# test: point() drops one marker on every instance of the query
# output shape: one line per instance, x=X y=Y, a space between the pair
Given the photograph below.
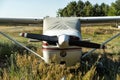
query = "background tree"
x=88 y=9
x=97 y=10
x=81 y=8
x=104 y=9
x=112 y=10
x=71 y=8
x=65 y=12
x=59 y=13
x=117 y=7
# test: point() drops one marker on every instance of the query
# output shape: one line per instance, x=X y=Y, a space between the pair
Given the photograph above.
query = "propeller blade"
x=50 y=39
x=85 y=44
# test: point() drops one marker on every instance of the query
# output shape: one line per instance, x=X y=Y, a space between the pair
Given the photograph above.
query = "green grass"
x=18 y=64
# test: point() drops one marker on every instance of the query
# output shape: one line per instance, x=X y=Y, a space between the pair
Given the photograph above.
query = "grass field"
x=18 y=64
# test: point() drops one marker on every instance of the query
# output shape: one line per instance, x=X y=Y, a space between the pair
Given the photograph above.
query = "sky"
x=36 y=8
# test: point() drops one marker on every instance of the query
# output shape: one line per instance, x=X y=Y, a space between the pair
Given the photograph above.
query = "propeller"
x=50 y=39
x=54 y=39
x=85 y=44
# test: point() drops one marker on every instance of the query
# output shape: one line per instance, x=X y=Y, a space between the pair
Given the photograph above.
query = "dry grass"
x=18 y=64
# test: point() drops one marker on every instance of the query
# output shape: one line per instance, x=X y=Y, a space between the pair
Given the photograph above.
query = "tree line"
x=81 y=8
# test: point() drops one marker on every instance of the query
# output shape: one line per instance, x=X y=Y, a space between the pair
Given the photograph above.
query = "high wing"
x=100 y=19
x=103 y=20
x=17 y=21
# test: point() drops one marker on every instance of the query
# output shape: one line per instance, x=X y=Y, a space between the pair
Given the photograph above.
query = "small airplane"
x=61 y=36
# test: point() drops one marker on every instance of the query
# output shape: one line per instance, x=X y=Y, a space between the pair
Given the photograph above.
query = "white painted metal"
x=71 y=58
x=63 y=28
x=59 y=26
x=119 y=27
x=63 y=41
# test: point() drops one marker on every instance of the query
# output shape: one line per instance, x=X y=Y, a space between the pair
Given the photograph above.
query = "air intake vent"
x=63 y=53
x=62 y=62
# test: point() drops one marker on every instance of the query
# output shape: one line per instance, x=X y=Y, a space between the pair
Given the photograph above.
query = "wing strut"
x=105 y=42
x=18 y=43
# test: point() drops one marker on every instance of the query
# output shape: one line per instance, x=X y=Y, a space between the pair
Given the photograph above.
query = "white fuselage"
x=69 y=56
x=62 y=52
